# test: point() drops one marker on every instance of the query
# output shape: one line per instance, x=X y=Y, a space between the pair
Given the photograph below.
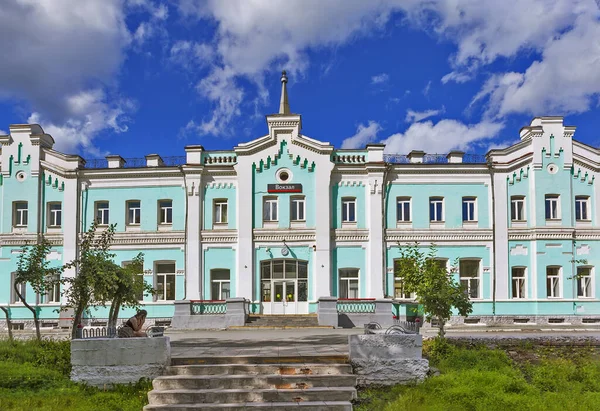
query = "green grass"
x=478 y=378
x=35 y=376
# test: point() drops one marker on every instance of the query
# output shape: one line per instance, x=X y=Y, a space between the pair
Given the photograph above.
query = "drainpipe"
x=573 y=236
x=491 y=171
x=384 y=195
x=185 y=234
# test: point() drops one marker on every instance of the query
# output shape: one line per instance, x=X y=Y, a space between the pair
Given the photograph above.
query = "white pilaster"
x=244 y=217
x=323 y=275
x=375 y=247
x=500 y=246
x=193 y=256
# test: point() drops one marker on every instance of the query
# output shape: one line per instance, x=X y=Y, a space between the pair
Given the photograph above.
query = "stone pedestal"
x=327 y=313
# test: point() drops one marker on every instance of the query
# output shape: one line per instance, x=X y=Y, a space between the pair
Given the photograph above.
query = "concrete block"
x=327 y=312
x=385 y=346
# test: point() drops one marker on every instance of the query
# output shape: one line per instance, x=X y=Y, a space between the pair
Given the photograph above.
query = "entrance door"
x=284 y=286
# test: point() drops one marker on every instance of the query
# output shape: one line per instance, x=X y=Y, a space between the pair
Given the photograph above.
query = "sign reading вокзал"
x=284 y=188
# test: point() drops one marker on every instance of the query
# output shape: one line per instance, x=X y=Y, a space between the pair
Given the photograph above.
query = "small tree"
x=95 y=276
x=8 y=322
x=436 y=290
x=34 y=269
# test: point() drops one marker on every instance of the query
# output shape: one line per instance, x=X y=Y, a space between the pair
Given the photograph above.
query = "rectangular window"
x=22 y=287
x=553 y=281
x=133 y=212
x=436 y=209
x=220 y=284
x=165 y=281
x=297 y=208
x=165 y=212
x=399 y=289
x=552 y=207
x=20 y=214
x=581 y=208
x=403 y=209
x=584 y=282
x=517 y=208
x=102 y=212
x=469 y=209
x=469 y=277
x=270 y=209
x=518 y=282
x=348 y=283
x=53 y=292
x=54 y=215
x=220 y=211
x=348 y=210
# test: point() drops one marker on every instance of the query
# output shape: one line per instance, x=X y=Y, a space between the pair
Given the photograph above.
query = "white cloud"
x=427 y=89
x=441 y=137
x=364 y=134
x=456 y=77
x=190 y=54
x=416 y=116
x=380 y=78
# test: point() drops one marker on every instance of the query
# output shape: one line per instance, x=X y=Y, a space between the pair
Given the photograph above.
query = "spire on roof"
x=284 y=106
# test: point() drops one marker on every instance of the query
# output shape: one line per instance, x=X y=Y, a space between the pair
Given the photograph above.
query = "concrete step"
x=258 y=369
x=228 y=396
x=282 y=321
x=305 y=359
x=210 y=382
x=257 y=406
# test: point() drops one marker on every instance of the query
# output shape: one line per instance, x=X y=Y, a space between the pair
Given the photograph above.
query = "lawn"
x=35 y=376
x=479 y=378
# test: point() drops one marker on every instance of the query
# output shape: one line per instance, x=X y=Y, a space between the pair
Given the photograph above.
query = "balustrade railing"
x=136 y=162
x=208 y=307
x=356 y=306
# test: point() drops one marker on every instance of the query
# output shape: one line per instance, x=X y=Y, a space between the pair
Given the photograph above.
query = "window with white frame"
x=220 y=211
x=138 y=277
x=348 y=284
x=134 y=209
x=349 y=210
x=220 y=284
x=403 y=210
x=584 y=282
x=165 y=211
x=553 y=281
x=53 y=290
x=517 y=208
x=469 y=209
x=270 y=209
x=54 y=215
x=469 y=277
x=399 y=288
x=22 y=287
x=20 y=214
x=165 y=280
x=102 y=212
x=297 y=208
x=582 y=206
x=436 y=209
x=518 y=282
x=552 y=207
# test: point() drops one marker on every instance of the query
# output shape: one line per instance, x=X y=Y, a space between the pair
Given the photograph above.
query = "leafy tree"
x=436 y=290
x=34 y=269
x=8 y=322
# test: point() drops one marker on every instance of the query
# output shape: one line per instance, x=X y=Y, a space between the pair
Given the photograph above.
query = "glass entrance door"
x=284 y=286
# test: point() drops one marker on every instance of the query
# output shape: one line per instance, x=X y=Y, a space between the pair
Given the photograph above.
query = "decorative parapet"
x=455 y=157
x=356 y=306
x=350 y=234
x=154 y=160
x=115 y=161
x=219 y=236
x=349 y=157
x=219 y=158
x=208 y=307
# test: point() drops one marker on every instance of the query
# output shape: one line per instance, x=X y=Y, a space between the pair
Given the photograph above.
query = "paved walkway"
x=272 y=343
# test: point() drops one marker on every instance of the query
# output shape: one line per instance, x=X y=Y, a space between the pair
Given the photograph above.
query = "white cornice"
x=547 y=233
x=281 y=234
x=149 y=238
x=18 y=239
x=340 y=235
x=437 y=235
x=219 y=236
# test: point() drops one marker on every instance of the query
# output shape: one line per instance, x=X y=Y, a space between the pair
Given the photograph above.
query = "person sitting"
x=133 y=326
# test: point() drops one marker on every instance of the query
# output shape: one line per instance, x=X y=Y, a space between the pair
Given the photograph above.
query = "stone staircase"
x=255 y=383
x=283 y=321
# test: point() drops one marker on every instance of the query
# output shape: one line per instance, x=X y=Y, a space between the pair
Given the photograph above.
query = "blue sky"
x=134 y=77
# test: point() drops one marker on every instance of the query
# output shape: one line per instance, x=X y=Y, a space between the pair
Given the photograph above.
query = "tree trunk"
x=115 y=308
x=76 y=321
x=8 y=323
x=33 y=311
x=442 y=330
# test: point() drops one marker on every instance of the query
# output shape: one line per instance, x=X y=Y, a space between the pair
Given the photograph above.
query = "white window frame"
x=21 y=214
x=582 y=204
x=164 y=206
x=348 y=204
x=165 y=277
x=518 y=283
x=219 y=283
x=553 y=282
x=585 y=282
x=435 y=218
x=270 y=209
x=298 y=204
x=468 y=280
x=102 y=213
x=137 y=212
x=471 y=216
x=54 y=214
x=53 y=295
x=550 y=199
x=14 y=299
x=220 y=210
x=345 y=280
x=515 y=201
x=401 y=204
